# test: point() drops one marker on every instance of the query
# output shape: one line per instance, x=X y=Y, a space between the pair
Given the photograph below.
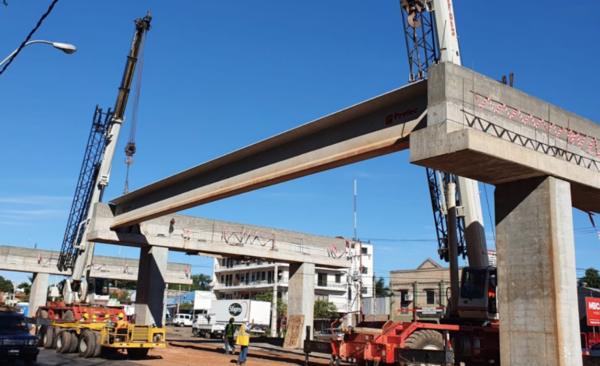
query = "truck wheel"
x=48 y=337
x=63 y=341
x=424 y=339
x=137 y=353
x=87 y=344
x=98 y=349
x=40 y=332
x=74 y=342
x=195 y=332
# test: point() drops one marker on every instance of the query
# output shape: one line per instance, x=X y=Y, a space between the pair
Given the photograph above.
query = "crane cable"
x=130 y=148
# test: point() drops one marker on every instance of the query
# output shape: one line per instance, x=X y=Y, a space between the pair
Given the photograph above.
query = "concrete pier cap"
x=487 y=131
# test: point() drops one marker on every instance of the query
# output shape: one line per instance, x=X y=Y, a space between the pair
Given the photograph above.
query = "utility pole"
x=178 y=298
x=274 y=304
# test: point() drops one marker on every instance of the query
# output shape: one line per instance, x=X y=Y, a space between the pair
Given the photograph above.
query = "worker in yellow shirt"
x=122 y=323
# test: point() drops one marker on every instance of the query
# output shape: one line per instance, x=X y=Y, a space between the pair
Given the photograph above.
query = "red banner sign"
x=592 y=307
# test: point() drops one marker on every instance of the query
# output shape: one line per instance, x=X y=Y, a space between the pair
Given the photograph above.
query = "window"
x=403 y=302
x=338 y=278
x=365 y=290
x=473 y=283
x=321 y=297
x=365 y=251
x=365 y=270
x=322 y=279
x=430 y=297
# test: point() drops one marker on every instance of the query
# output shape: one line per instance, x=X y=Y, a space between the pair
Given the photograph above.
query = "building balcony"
x=328 y=286
x=246 y=267
x=261 y=284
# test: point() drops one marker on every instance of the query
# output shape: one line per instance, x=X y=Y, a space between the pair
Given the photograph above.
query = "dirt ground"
x=182 y=350
x=180 y=353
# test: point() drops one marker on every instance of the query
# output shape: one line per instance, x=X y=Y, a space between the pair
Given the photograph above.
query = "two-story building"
x=242 y=279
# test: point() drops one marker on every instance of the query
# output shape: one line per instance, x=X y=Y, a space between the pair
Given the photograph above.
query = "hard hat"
x=245 y=320
x=94 y=316
x=86 y=315
x=107 y=316
x=121 y=315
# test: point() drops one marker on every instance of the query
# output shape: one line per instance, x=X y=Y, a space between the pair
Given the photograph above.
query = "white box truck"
x=223 y=310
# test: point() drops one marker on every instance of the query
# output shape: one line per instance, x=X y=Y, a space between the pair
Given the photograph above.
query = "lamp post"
x=65 y=47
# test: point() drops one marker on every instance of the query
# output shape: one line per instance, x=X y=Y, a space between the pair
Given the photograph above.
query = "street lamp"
x=65 y=47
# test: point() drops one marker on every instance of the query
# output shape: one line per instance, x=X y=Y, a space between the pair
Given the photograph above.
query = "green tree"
x=6 y=285
x=325 y=309
x=126 y=285
x=591 y=278
x=381 y=290
x=186 y=306
x=200 y=282
x=268 y=296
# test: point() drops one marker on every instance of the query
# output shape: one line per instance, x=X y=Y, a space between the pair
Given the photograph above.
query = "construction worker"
x=122 y=323
x=84 y=318
x=94 y=319
x=228 y=337
x=108 y=320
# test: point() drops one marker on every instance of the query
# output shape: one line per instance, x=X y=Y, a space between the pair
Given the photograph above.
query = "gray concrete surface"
x=372 y=128
x=150 y=295
x=470 y=133
x=19 y=259
x=196 y=235
x=539 y=321
x=301 y=294
x=38 y=294
x=49 y=357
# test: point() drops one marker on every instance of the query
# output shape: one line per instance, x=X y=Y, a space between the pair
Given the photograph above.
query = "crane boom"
x=431 y=36
x=76 y=253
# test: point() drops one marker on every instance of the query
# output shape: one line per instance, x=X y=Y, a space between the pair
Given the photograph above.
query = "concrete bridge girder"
x=194 y=235
x=27 y=260
x=42 y=263
x=372 y=128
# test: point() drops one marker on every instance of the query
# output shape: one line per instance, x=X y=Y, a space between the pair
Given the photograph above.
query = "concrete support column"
x=537 y=296
x=301 y=294
x=149 y=298
x=38 y=293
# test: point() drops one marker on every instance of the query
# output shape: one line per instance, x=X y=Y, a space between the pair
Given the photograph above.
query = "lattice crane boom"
x=76 y=253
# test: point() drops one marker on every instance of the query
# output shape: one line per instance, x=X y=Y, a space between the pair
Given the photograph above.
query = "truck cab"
x=478 y=298
x=16 y=343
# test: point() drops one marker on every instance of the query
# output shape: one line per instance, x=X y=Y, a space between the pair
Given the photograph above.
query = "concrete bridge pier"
x=38 y=293
x=301 y=295
x=150 y=295
x=539 y=324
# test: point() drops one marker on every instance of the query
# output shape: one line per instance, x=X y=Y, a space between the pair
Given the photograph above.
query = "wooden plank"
x=293 y=335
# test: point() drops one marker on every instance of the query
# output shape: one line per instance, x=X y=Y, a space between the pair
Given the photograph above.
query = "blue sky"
x=220 y=75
